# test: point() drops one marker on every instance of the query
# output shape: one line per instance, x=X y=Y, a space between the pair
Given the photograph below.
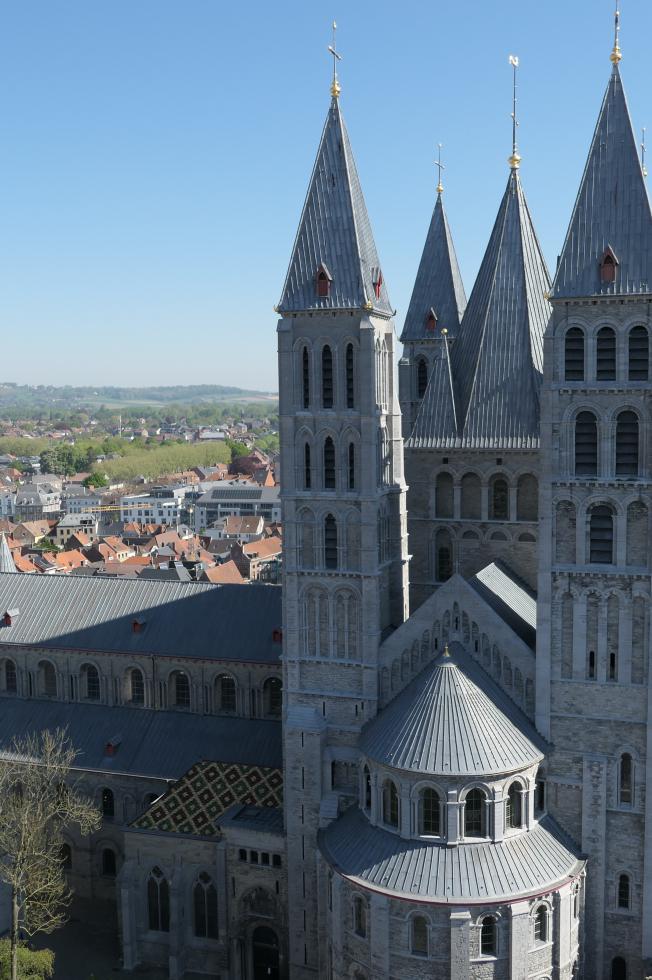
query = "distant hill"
x=14 y=396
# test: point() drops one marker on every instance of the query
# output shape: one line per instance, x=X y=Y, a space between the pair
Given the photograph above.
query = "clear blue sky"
x=154 y=157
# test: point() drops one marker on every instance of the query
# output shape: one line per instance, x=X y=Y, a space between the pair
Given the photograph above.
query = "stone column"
x=452 y=818
x=336 y=925
x=380 y=935
x=222 y=889
x=561 y=929
x=601 y=652
x=497 y=832
x=460 y=945
x=625 y=612
x=405 y=813
x=594 y=798
x=373 y=816
x=457 y=501
x=126 y=885
x=519 y=943
x=512 y=504
x=580 y=652
x=175 y=940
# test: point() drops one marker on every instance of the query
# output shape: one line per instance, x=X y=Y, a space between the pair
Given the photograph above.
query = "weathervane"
x=515 y=159
x=643 y=167
x=440 y=166
x=335 y=86
x=616 y=55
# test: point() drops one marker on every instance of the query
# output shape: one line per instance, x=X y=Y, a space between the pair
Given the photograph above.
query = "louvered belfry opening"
x=601 y=535
x=627 y=444
x=586 y=444
x=329 y=464
x=422 y=377
x=305 y=379
x=639 y=354
x=327 y=377
x=350 y=377
x=605 y=369
x=574 y=355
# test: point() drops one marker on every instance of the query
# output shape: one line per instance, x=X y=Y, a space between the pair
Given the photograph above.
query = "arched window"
x=541 y=925
x=499 y=499
x=513 y=808
x=608 y=267
x=136 y=686
x=350 y=377
x=327 y=377
x=422 y=377
x=329 y=464
x=10 y=678
x=180 y=689
x=419 y=938
x=390 y=804
x=91 y=680
x=574 y=355
x=307 y=472
x=158 y=901
x=618 y=968
x=540 y=794
x=305 y=377
x=474 y=814
x=367 y=789
x=360 y=916
x=429 y=815
x=605 y=368
x=586 y=444
x=108 y=863
x=225 y=696
x=443 y=556
x=330 y=541
x=624 y=892
x=488 y=944
x=639 y=354
x=601 y=535
x=47 y=679
x=626 y=780
x=204 y=900
x=444 y=495
x=627 y=444
x=527 y=498
x=351 y=467
x=66 y=857
x=273 y=697
x=108 y=802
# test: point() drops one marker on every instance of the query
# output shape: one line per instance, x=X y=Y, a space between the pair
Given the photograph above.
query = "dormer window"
x=377 y=282
x=431 y=321
x=608 y=266
x=324 y=280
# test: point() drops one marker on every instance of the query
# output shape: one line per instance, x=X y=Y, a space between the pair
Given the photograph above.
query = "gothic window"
x=541 y=925
x=367 y=789
x=627 y=444
x=591 y=669
x=605 y=368
x=91 y=682
x=608 y=267
x=305 y=377
x=471 y=497
x=204 y=900
x=488 y=943
x=499 y=499
x=513 y=809
x=384 y=462
x=624 y=895
x=443 y=556
x=307 y=473
x=586 y=444
x=618 y=968
x=419 y=939
x=323 y=281
x=351 y=467
x=47 y=679
x=346 y=625
x=329 y=464
x=225 y=694
x=390 y=804
x=429 y=813
x=639 y=354
x=637 y=533
x=306 y=531
x=360 y=917
x=108 y=863
x=273 y=697
x=350 y=377
x=316 y=627
x=540 y=794
x=422 y=377
x=10 y=677
x=474 y=814
x=180 y=689
x=626 y=780
x=136 y=686
x=108 y=802
x=527 y=498
x=574 y=355
x=158 y=901
x=601 y=535
x=327 y=377
x=444 y=495
x=330 y=541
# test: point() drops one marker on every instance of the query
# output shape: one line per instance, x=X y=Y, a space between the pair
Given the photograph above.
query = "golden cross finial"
x=643 y=148
x=440 y=166
x=616 y=55
x=515 y=159
x=335 y=85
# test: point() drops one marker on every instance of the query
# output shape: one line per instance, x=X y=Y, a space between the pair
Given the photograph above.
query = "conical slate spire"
x=497 y=361
x=436 y=421
x=335 y=235
x=438 y=288
x=6 y=558
x=612 y=210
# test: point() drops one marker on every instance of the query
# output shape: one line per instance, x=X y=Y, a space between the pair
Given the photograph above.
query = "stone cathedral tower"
x=344 y=515
x=593 y=691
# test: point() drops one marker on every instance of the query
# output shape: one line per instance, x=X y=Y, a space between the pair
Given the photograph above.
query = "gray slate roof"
x=334 y=231
x=498 y=359
x=436 y=421
x=452 y=720
x=182 y=619
x=510 y=597
x=7 y=564
x=523 y=864
x=438 y=285
x=161 y=744
x=612 y=209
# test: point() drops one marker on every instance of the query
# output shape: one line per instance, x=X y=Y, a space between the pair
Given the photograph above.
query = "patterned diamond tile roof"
x=438 y=285
x=498 y=359
x=452 y=720
x=334 y=232
x=612 y=210
x=436 y=421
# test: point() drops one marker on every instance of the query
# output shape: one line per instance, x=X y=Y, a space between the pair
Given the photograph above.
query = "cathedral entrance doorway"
x=264 y=943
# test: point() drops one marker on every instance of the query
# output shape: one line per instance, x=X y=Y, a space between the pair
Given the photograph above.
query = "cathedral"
x=426 y=754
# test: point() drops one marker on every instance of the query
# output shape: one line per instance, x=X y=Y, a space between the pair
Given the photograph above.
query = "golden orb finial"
x=616 y=55
x=335 y=85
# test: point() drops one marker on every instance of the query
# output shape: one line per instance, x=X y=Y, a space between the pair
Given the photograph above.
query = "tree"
x=33 y=964
x=96 y=480
x=37 y=801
